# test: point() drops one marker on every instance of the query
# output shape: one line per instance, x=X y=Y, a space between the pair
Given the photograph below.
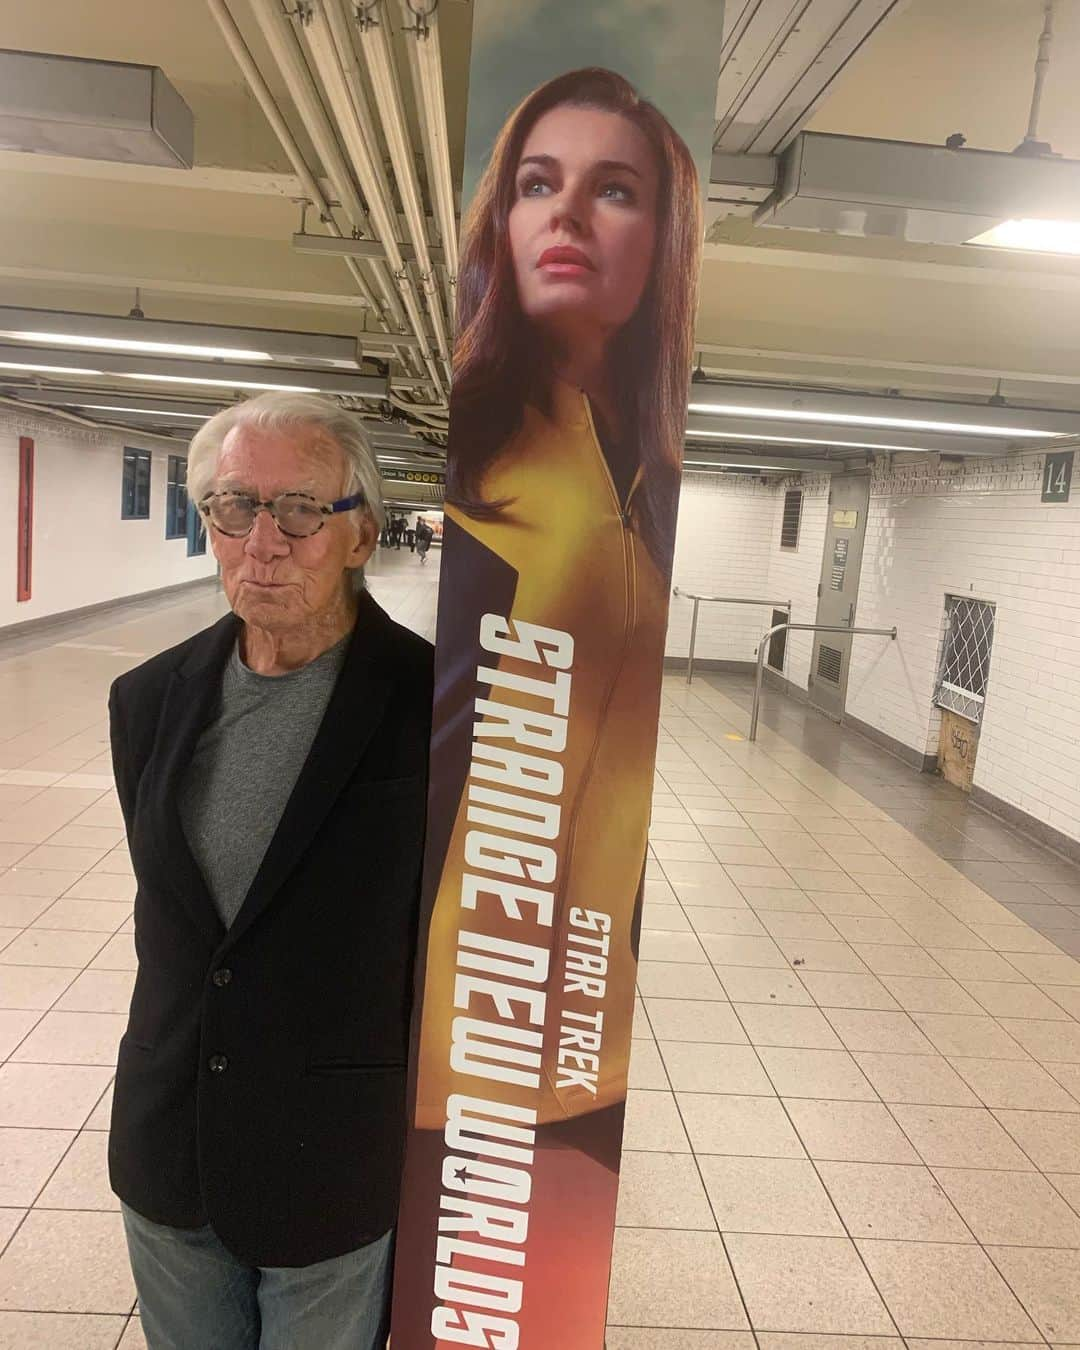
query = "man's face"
x=273 y=581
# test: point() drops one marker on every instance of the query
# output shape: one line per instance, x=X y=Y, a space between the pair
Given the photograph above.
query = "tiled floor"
x=855 y=1092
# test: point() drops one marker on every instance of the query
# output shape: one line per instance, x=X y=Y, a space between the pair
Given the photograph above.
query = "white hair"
x=278 y=411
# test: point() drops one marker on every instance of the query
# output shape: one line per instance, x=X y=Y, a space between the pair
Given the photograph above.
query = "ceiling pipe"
x=285 y=49
x=421 y=31
x=241 y=53
x=324 y=52
x=375 y=44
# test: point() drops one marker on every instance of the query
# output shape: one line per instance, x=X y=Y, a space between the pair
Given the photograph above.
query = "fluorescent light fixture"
x=866 y=420
x=795 y=440
x=47 y=370
x=730 y=464
x=222 y=384
x=143 y=412
x=134 y=345
x=173 y=337
x=1033 y=236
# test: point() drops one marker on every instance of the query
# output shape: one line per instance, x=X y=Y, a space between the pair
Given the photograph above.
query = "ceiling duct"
x=65 y=105
x=925 y=194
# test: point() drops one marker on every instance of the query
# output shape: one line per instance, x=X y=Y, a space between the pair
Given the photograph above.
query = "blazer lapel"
x=188 y=705
x=351 y=719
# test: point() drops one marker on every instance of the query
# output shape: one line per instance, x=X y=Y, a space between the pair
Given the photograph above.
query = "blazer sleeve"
x=124 y=771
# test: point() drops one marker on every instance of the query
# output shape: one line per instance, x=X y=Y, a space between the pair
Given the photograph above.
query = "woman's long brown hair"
x=500 y=364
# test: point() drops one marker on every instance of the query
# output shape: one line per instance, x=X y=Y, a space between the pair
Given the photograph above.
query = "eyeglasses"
x=298 y=514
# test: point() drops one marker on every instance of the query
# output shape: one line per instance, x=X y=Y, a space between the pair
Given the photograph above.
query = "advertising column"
x=590 y=127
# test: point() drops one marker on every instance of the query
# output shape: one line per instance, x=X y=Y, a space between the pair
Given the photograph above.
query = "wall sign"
x=845 y=520
x=556 y=572
x=411 y=475
x=1057 y=476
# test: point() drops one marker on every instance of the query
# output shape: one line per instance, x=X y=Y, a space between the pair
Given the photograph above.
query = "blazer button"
x=222 y=977
x=218 y=1063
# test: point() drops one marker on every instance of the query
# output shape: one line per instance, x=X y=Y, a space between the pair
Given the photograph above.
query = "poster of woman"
x=576 y=301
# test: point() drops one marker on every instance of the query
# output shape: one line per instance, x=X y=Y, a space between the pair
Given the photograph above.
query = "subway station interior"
x=853 y=1115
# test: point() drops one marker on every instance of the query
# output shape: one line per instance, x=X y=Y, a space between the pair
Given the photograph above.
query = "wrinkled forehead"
x=279 y=459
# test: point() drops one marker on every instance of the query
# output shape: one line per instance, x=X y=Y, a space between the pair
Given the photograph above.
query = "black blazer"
x=261 y=1081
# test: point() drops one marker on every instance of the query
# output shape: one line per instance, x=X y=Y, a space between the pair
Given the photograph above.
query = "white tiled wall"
x=979 y=531
x=726 y=529
x=83 y=553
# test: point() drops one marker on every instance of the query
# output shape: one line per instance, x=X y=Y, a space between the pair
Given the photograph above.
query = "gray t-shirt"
x=245 y=767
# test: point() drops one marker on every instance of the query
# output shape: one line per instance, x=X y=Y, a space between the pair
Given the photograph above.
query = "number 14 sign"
x=1057 y=477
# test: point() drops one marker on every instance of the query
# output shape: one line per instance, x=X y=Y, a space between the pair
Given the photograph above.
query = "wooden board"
x=958 y=748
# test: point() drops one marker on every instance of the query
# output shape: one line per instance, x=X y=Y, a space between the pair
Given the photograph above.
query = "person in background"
x=272 y=774
x=410 y=538
x=424 y=536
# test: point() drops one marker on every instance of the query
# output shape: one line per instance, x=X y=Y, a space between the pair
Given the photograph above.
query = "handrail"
x=718 y=600
x=801 y=628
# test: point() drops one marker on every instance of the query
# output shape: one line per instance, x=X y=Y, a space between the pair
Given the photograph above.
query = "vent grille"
x=829 y=663
x=792 y=519
x=965 y=657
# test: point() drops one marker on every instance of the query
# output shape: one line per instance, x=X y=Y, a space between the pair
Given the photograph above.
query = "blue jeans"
x=195 y=1295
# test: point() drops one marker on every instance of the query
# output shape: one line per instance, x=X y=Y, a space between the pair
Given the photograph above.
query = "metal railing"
x=718 y=600
x=801 y=628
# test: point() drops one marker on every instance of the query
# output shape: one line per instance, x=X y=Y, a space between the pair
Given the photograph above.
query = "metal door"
x=838 y=592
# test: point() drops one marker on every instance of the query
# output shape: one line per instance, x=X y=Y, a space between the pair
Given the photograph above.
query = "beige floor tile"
x=807 y=1285
x=666 y=1338
x=707 y=875
x=665 y=918
x=1068 y=1075
x=1042 y=968
x=681 y=850
x=727 y=950
x=49 y=1096
x=1065 y=996
x=95 y=916
x=60 y=857
x=687 y=1019
x=977 y=1037
x=1067 y=1185
x=751 y=1127
x=118 y=861
x=117 y=954
x=103 y=886
x=830 y=1075
x=669 y=946
x=67 y=1261
x=133 y=1338
x=890 y=1032
x=672 y=1279
x=646 y=1066
x=832 y=990
x=98 y=991
x=772 y=1340
x=36 y=987
x=27 y=1160
x=905 y=961
x=653 y=1124
x=769 y=1195
x=1004 y=999
x=745 y=984
x=1047 y=1040
x=811 y=954
x=940 y=1290
x=926 y=1080
x=1017 y=1209
x=1051 y=1139
x=735 y=922
x=952 y=1136
x=73 y=1038
x=1015 y=937
x=918 y=994
x=662 y=1190
x=778 y=899
x=48 y=883
x=49 y=947
x=82 y=1179
x=969 y=965
x=1048 y=1285
x=682 y=828
x=698 y=1067
x=834 y=883
x=678 y=979
x=20 y=911
x=101 y=837
x=61 y=1331
x=901 y=1203
x=8 y=936
x=1015 y=1084
x=98 y=1118
x=799 y=927
x=870 y=928
x=850 y=1131
x=893 y=885
x=16 y=1024
x=770 y=1024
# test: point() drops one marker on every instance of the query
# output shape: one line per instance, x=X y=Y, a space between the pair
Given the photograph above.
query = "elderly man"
x=272 y=772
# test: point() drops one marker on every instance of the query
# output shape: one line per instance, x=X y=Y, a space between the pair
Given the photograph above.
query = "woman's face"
x=583 y=221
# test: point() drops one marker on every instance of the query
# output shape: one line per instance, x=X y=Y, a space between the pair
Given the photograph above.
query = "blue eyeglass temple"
x=347 y=503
